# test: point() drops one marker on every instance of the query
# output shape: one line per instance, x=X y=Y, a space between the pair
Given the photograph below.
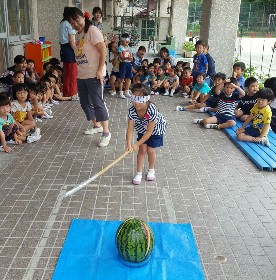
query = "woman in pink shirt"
x=90 y=53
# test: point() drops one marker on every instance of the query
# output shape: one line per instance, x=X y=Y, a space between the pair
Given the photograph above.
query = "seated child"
x=167 y=66
x=8 y=130
x=145 y=63
x=31 y=73
x=225 y=115
x=260 y=116
x=156 y=64
x=247 y=102
x=187 y=81
x=142 y=77
x=238 y=69
x=200 y=90
x=21 y=112
x=152 y=76
x=114 y=59
x=179 y=68
x=47 y=66
x=161 y=78
x=171 y=83
x=211 y=99
x=17 y=78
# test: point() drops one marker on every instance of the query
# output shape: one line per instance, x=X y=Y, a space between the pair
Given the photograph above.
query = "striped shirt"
x=152 y=114
x=226 y=105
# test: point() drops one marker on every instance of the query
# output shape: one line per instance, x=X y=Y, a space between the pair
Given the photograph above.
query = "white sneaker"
x=264 y=141
x=152 y=92
x=31 y=139
x=157 y=93
x=36 y=133
x=198 y=120
x=166 y=93
x=38 y=120
x=93 y=130
x=2 y=149
x=48 y=106
x=151 y=175
x=12 y=142
x=128 y=93
x=137 y=179
x=54 y=102
x=112 y=93
x=49 y=112
x=204 y=109
x=171 y=94
x=121 y=95
x=46 y=116
x=179 y=108
x=105 y=140
x=75 y=97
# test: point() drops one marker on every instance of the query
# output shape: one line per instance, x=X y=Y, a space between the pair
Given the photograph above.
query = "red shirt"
x=187 y=81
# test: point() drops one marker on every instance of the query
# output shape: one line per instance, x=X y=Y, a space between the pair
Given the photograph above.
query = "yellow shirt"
x=260 y=116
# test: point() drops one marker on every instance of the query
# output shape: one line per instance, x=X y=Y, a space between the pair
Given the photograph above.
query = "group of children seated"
x=230 y=99
x=28 y=99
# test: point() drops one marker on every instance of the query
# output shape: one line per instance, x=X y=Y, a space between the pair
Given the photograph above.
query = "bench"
x=263 y=157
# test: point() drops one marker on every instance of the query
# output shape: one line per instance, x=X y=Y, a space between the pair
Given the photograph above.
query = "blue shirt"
x=8 y=121
x=65 y=29
x=200 y=62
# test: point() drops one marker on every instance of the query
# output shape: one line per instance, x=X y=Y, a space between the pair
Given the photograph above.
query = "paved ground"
x=202 y=178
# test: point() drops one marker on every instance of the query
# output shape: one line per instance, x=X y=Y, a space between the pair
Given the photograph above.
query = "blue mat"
x=89 y=252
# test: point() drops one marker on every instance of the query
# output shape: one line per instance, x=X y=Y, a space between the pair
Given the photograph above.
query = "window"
x=18 y=20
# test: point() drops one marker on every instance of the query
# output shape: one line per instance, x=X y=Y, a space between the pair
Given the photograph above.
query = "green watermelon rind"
x=133 y=250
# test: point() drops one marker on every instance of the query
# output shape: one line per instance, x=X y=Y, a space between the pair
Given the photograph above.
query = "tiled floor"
x=202 y=178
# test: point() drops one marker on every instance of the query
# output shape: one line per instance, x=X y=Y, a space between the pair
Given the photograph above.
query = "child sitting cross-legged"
x=172 y=83
x=21 y=112
x=8 y=129
x=247 y=102
x=199 y=91
x=187 y=81
x=260 y=116
x=161 y=78
x=225 y=115
x=142 y=77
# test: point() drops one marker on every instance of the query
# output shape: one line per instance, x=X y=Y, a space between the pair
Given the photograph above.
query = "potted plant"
x=189 y=49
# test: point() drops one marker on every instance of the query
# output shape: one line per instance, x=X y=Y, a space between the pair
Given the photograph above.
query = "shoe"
x=171 y=94
x=121 y=95
x=105 y=140
x=48 y=106
x=36 y=133
x=75 y=97
x=180 y=108
x=166 y=93
x=54 y=102
x=152 y=93
x=190 y=100
x=31 y=139
x=137 y=178
x=264 y=141
x=38 y=120
x=93 y=130
x=112 y=93
x=156 y=93
x=2 y=149
x=184 y=94
x=49 y=112
x=198 y=120
x=213 y=126
x=128 y=94
x=46 y=116
x=12 y=142
x=151 y=175
x=204 y=109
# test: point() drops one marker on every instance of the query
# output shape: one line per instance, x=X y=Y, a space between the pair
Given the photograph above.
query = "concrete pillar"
x=219 y=24
x=179 y=22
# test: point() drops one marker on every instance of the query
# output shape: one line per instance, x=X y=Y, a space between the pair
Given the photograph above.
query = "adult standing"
x=90 y=53
x=67 y=55
x=271 y=83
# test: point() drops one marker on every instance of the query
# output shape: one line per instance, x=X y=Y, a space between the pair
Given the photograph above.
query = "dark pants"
x=91 y=99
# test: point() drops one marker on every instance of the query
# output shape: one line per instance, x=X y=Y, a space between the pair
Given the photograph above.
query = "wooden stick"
x=85 y=183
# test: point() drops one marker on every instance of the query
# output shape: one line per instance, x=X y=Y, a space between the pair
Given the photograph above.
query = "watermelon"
x=134 y=240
